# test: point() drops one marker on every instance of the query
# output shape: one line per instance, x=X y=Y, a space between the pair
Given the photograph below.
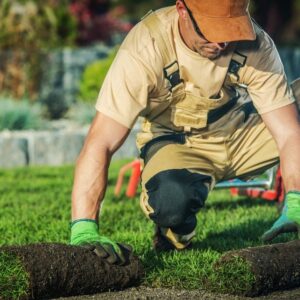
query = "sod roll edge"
x=41 y=271
x=258 y=270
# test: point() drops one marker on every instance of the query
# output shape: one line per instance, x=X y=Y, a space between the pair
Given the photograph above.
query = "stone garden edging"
x=51 y=147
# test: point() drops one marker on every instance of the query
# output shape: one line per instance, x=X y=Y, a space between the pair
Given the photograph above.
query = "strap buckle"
x=238 y=61
x=172 y=74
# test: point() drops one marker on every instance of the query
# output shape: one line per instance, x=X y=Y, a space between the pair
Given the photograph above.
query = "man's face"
x=196 y=40
x=208 y=49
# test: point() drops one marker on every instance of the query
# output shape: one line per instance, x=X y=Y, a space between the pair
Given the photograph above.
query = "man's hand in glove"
x=85 y=232
x=289 y=221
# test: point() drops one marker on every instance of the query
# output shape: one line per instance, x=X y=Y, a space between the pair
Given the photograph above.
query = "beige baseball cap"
x=223 y=20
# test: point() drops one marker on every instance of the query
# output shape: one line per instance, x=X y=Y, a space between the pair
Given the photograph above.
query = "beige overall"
x=237 y=144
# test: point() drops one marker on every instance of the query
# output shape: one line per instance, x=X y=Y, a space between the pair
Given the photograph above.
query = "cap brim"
x=220 y=30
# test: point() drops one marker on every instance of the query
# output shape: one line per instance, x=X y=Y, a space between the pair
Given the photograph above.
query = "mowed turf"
x=35 y=207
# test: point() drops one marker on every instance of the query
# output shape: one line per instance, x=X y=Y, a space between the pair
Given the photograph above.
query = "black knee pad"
x=176 y=196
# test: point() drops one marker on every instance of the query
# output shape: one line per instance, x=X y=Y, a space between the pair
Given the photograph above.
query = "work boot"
x=162 y=244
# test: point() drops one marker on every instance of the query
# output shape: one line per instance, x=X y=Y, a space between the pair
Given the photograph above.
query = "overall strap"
x=166 y=47
x=239 y=59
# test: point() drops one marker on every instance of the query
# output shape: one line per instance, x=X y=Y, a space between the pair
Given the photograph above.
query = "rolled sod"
x=258 y=270
x=41 y=271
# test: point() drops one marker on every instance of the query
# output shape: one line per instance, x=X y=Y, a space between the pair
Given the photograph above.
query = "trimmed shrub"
x=93 y=77
x=19 y=115
x=55 y=104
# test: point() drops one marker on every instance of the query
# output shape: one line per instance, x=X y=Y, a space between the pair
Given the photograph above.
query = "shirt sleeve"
x=266 y=79
x=124 y=93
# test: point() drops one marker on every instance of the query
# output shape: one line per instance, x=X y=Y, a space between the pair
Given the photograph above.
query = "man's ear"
x=181 y=9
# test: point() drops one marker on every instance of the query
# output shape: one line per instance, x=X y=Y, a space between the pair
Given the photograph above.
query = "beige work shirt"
x=136 y=75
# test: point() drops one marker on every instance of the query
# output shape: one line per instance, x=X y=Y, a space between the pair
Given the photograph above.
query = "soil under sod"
x=57 y=270
x=273 y=267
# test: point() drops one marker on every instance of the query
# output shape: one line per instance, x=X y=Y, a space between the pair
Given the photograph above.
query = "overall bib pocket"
x=193 y=110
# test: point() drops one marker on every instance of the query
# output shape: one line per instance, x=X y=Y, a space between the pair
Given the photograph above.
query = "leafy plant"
x=55 y=104
x=28 y=29
x=93 y=78
x=19 y=115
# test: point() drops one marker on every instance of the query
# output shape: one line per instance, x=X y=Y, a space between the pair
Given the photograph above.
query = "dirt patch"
x=57 y=270
x=146 y=293
x=275 y=267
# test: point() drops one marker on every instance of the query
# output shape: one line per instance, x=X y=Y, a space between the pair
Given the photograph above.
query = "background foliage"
x=20 y=115
x=93 y=77
x=28 y=29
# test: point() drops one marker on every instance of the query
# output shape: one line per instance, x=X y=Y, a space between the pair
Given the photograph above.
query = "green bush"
x=93 y=77
x=19 y=115
x=28 y=30
x=32 y=25
x=55 y=104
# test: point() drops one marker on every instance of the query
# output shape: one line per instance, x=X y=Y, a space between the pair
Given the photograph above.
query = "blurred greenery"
x=28 y=29
x=31 y=25
x=93 y=77
x=20 y=115
x=54 y=103
x=136 y=9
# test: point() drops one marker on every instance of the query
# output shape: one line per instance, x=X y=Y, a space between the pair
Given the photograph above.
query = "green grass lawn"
x=35 y=207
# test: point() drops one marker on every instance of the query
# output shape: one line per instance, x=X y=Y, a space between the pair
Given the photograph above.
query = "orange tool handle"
x=134 y=179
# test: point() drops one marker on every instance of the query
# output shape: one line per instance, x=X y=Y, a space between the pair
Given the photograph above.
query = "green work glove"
x=289 y=221
x=85 y=232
